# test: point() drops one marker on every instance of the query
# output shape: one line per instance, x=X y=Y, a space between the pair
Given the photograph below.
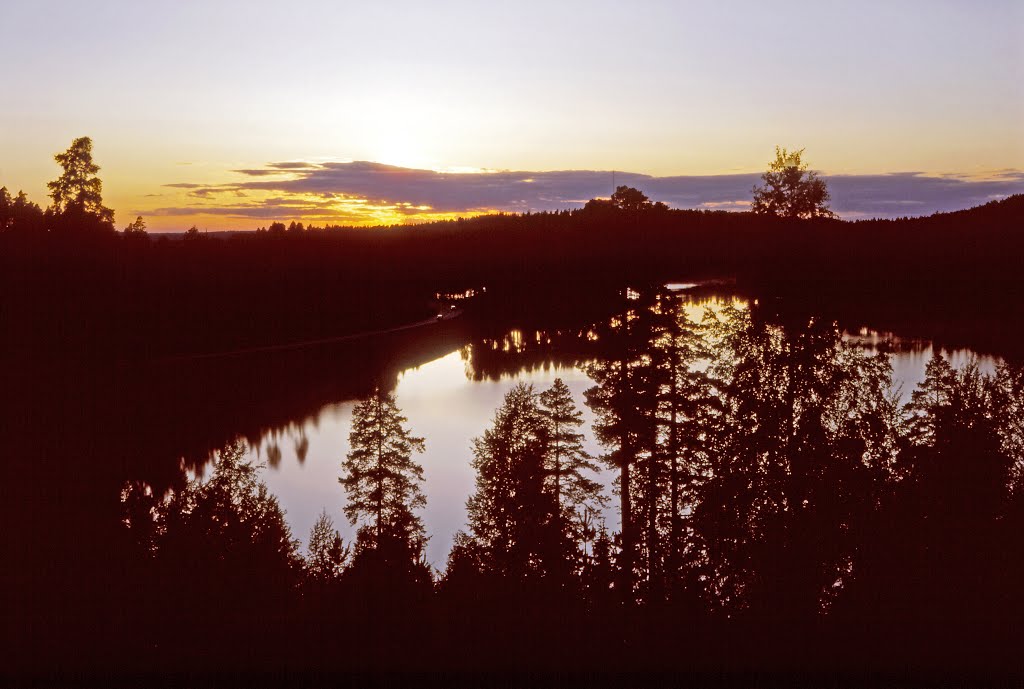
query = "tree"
x=954 y=414
x=230 y=523
x=18 y=214
x=683 y=402
x=566 y=459
x=930 y=401
x=630 y=199
x=78 y=191
x=625 y=200
x=624 y=402
x=798 y=456
x=136 y=228
x=6 y=208
x=1009 y=403
x=511 y=514
x=326 y=551
x=790 y=190
x=381 y=478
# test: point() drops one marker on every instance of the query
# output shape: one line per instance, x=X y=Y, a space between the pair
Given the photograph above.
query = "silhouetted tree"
x=1008 y=411
x=630 y=199
x=797 y=460
x=18 y=214
x=941 y=546
x=683 y=400
x=566 y=459
x=790 y=190
x=326 y=552
x=1008 y=403
x=229 y=525
x=136 y=228
x=954 y=414
x=466 y=562
x=512 y=516
x=599 y=571
x=382 y=479
x=930 y=401
x=219 y=560
x=6 y=203
x=625 y=402
x=612 y=401
x=77 y=193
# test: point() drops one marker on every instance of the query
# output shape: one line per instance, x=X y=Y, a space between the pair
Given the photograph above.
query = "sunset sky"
x=230 y=115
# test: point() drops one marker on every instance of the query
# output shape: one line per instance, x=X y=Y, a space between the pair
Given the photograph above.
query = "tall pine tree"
x=567 y=460
x=382 y=479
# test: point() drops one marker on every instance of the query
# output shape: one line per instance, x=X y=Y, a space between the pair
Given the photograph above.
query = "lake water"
x=448 y=404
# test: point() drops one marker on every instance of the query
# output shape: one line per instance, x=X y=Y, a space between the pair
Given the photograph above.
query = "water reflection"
x=439 y=398
x=453 y=398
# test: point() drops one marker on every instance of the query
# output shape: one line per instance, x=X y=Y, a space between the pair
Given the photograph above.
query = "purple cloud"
x=853 y=196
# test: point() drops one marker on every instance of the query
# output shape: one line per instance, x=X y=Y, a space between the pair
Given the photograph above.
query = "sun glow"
x=229 y=208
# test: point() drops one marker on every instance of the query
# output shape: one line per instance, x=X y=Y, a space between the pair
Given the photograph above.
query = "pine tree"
x=511 y=514
x=566 y=459
x=229 y=523
x=18 y=214
x=683 y=401
x=798 y=457
x=326 y=553
x=6 y=206
x=624 y=400
x=381 y=478
x=930 y=402
x=77 y=193
x=137 y=228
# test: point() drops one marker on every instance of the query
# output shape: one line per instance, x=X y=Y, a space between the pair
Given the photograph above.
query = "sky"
x=230 y=115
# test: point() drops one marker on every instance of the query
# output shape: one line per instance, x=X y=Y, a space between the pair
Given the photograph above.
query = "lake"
x=448 y=403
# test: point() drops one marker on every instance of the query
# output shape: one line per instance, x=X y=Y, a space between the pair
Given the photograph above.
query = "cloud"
x=291 y=166
x=912 y=193
x=341 y=187
x=258 y=172
x=255 y=211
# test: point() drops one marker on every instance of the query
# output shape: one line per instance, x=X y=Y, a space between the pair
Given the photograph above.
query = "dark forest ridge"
x=81 y=288
x=1005 y=205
